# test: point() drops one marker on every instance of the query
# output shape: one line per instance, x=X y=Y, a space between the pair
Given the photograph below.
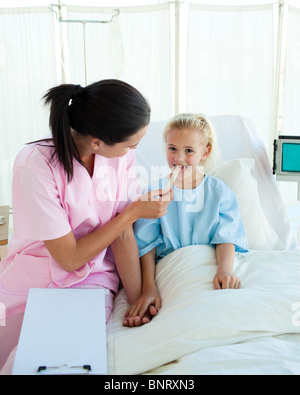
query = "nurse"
x=203 y=211
x=75 y=198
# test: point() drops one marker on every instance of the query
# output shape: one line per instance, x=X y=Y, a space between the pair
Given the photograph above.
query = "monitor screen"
x=290 y=157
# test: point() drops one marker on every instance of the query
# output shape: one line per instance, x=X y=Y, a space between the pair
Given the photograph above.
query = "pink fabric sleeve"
x=38 y=211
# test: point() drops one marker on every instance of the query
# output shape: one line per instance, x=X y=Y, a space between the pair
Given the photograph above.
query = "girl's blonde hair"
x=201 y=124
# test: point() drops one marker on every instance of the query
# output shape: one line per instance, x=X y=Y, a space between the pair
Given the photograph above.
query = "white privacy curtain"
x=225 y=64
x=135 y=48
x=38 y=52
x=27 y=70
x=291 y=93
x=230 y=66
x=291 y=101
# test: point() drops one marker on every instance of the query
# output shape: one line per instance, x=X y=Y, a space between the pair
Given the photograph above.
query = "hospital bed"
x=253 y=330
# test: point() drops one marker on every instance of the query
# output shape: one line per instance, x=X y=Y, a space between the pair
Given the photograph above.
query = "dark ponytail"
x=59 y=98
x=110 y=110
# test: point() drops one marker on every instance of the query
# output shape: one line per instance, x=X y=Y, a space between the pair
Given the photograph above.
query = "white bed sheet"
x=274 y=355
x=206 y=331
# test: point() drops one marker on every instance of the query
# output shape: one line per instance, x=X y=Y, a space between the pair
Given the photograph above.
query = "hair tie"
x=77 y=92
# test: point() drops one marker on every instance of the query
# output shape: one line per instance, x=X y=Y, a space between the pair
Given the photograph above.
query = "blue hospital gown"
x=208 y=214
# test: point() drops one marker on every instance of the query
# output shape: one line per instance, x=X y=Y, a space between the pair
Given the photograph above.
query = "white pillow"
x=236 y=174
x=194 y=316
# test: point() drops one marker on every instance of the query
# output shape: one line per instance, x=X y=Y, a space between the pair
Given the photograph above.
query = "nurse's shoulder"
x=35 y=155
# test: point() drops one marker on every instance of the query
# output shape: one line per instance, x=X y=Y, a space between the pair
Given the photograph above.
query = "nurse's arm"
x=71 y=254
x=126 y=255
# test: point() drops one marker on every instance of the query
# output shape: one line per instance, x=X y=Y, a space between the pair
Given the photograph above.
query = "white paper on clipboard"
x=63 y=332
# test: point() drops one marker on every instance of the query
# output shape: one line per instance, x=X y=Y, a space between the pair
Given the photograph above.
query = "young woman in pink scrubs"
x=75 y=198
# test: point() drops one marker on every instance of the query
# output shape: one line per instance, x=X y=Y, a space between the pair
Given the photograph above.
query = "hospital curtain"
x=230 y=63
x=27 y=70
x=291 y=98
x=291 y=93
x=228 y=54
x=134 y=47
x=37 y=52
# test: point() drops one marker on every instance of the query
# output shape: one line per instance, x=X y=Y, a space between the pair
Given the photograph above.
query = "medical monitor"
x=286 y=163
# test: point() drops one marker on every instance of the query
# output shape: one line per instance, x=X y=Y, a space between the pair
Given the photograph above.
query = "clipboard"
x=63 y=333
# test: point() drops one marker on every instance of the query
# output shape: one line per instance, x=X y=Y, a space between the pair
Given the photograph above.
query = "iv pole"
x=60 y=19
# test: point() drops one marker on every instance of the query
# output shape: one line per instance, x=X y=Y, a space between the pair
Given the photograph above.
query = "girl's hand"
x=226 y=280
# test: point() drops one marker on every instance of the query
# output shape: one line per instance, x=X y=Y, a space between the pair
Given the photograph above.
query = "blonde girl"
x=204 y=211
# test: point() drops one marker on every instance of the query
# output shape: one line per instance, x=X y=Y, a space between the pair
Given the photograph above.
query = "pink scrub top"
x=46 y=206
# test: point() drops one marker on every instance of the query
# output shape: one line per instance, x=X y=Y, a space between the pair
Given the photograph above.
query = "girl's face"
x=185 y=148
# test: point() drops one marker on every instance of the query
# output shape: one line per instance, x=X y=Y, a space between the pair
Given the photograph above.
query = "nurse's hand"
x=153 y=204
